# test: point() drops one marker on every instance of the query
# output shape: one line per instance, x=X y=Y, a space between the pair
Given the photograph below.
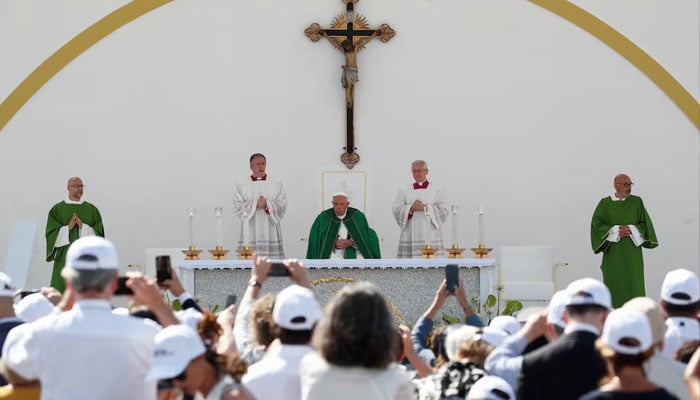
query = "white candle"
x=481 y=211
x=191 y=213
x=455 y=211
x=426 y=221
x=217 y=213
x=245 y=229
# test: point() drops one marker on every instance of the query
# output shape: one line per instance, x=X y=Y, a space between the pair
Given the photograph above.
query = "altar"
x=408 y=284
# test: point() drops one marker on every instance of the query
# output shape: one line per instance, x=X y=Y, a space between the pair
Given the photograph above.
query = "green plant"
x=492 y=303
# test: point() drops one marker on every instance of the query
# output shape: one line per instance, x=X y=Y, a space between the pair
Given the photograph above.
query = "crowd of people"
x=77 y=345
x=595 y=340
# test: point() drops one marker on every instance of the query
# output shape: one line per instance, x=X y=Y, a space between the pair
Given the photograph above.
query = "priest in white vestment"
x=260 y=203
x=420 y=209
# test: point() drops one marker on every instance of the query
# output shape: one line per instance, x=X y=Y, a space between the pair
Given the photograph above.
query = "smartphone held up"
x=452 y=277
x=164 y=270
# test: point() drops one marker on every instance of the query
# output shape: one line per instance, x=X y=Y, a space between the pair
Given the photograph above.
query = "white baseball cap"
x=92 y=253
x=33 y=307
x=491 y=335
x=491 y=387
x=627 y=323
x=588 y=291
x=296 y=308
x=555 y=311
x=681 y=287
x=455 y=335
x=174 y=347
x=7 y=289
x=650 y=308
x=506 y=323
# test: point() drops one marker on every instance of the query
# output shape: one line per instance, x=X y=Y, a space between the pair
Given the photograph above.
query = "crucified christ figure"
x=350 y=75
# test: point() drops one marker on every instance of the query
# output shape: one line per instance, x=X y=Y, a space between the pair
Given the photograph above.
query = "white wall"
x=512 y=106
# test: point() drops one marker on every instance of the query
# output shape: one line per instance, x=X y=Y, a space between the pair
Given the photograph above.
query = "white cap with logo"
x=174 y=347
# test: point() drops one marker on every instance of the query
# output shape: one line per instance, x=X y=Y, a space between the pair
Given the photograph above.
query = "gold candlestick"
x=454 y=252
x=428 y=251
x=481 y=251
x=219 y=253
x=191 y=253
x=245 y=253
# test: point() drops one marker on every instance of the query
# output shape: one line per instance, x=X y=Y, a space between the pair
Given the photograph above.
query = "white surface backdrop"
x=512 y=106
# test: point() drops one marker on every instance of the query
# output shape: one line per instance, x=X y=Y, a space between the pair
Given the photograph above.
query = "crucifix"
x=344 y=36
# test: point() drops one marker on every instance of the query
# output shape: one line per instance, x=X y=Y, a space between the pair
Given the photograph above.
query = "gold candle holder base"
x=245 y=253
x=481 y=251
x=219 y=253
x=428 y=251
x=454 y=252
x=191 y=253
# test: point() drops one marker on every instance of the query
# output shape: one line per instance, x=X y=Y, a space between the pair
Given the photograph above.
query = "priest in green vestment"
x=67 y=221
x=620 y=228
x=342 y=232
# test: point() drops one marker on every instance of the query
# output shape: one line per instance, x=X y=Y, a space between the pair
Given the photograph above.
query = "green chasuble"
x=324 y=233
x=623 y=265
x=59 y=216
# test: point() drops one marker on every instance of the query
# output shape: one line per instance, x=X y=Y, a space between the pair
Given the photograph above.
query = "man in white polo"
x=88 y=352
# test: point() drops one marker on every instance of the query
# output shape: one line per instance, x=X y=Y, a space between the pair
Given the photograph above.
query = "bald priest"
x=342 y=232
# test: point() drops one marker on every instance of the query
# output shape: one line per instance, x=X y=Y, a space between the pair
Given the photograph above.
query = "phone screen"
x=451 y=274
x=122 y=289
x=231 y=299
x=278 y=269
x=163 y=269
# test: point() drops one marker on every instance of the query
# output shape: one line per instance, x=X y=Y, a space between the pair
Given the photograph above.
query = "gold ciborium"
x=245 y=253
x=428 y=251
x=191 y=253
x=481 y=251
x=454 y=252
x=219 y=253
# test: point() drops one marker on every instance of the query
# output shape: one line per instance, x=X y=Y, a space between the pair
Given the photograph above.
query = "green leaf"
x=512 y=306
x=490 y=301
x=176 y=305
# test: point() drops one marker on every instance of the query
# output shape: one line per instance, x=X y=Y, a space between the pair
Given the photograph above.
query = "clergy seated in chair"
x=342 y=232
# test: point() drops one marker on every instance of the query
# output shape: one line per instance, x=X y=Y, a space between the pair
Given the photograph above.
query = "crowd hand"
x=53 y=295
x=421 y=367
x=262 y=202
x=261 y=267
x=173 y=284
x=226 y=319
x=417 y=206
x=298 y=272
x=535 y=326
x=460 y=294
x=146 y=292
x=68 y=299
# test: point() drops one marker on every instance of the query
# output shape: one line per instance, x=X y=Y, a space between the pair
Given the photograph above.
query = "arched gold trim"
x=631 y=52
x=69 y=51
x=570 y=12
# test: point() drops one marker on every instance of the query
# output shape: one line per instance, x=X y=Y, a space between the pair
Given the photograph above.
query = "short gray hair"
x=421 y=162
x=93 y=279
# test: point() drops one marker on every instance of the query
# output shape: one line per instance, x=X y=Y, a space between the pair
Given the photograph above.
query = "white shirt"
x=276 y=376
x=678 y=331
x=85 y=353
x=323 y=381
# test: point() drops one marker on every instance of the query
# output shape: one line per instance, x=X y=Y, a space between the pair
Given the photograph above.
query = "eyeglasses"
x=628 y=184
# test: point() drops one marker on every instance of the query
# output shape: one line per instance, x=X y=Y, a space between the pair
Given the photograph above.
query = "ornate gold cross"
x=344 y=37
